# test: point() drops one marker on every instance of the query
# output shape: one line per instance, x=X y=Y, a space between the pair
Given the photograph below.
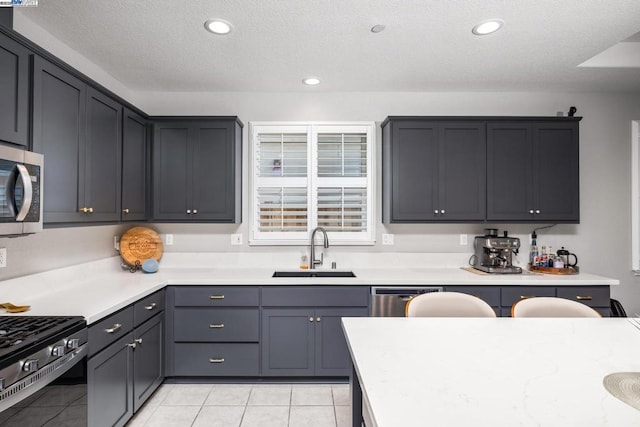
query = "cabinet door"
x=134 y=167
x=103 y=157
x=509 y=171
x=414 y=171
x=288 y=342
x=59 y=134
x=14 y=87
x=331 y=352
x=148 y=363
x=171 y=171
x=109 y=385
x=213 y=172
x=462 y=171
x=556 y=181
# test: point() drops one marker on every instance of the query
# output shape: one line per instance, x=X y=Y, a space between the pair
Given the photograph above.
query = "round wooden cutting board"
x=140 y=244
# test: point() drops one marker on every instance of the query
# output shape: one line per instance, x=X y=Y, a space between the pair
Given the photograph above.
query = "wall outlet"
x=3 y=257
x=463 y=240
x=387 y=239
x=236 y=239
x=116 y=243
x=168 y=239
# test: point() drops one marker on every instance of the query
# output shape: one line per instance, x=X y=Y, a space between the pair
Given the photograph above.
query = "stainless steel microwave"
x=21 y=174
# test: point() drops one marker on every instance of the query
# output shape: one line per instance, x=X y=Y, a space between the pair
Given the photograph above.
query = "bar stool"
x=551 y=307
x=448 y=304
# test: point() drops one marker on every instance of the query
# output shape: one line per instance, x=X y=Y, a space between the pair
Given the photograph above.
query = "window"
x=312 y=175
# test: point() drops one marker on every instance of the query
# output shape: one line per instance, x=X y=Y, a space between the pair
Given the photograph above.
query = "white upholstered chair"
x=448 y=304
x=551 y=307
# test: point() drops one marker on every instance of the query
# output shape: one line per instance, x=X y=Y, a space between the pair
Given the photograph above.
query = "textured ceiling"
x=161 y=45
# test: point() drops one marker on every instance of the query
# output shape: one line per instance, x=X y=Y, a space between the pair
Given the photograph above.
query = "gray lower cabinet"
x=215 y=331
x=126 y=361
x=14 y=87
x=502 y=298
x=304 y=337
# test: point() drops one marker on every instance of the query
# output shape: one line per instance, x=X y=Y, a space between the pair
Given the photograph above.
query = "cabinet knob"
x=537 y=211
x=318 y=319
x=442 y=212
x=125 y=211
x=84 y=210
x=138 y=340
x=531 y=211
x=195 y=211
x=132 y=345
x=310 y=318
x=188 y=211
x=435 y=212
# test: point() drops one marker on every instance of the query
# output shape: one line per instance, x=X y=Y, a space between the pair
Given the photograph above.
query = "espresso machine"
x=494 y=254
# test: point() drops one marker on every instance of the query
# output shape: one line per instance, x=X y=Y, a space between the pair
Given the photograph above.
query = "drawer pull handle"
x=138 y=340
x=216 y=297
x=115 y=328
x=216 y=326
x=584 y=297
x=221 y=360
x=527 y=296
x=150 y=306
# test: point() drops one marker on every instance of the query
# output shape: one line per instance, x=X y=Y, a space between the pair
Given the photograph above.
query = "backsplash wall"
x=601 y=240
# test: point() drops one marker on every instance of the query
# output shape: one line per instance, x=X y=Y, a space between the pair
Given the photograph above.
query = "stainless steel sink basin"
x=313 y=273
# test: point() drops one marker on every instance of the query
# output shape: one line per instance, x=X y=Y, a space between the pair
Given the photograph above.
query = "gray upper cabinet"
x=433 y=171
x=78 y=129
x=134 y=167
x=197 y=167
x=14 y=87
x=532 y=171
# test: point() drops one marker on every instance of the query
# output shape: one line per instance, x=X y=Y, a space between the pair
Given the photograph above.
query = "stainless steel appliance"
x=43 y=371
x=21 y=174
x=494 y=254
x=391 y=301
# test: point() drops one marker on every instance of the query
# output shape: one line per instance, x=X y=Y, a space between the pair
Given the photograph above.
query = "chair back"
x=551 y=307
x=448 y=304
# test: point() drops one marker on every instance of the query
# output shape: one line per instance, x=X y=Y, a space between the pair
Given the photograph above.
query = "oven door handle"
x=24 y=176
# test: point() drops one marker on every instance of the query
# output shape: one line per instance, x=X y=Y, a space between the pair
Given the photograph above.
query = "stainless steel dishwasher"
x=390 y=301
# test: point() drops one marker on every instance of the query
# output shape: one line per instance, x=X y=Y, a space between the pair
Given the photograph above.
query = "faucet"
x=312 y=248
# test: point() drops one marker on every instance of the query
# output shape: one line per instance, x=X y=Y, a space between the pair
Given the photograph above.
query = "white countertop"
x=493 y=372
x=99 y=288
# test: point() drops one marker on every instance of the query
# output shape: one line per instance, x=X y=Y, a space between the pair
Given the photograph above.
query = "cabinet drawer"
x=316 y=296
x=216 y=324
x=148 y=307
x=593 y=296
x=200 y=359
x=216 y=296
x=109 y=329
x=511 y=295
x=489 y=294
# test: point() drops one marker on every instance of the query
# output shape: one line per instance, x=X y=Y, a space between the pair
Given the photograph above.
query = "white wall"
x=601 y=240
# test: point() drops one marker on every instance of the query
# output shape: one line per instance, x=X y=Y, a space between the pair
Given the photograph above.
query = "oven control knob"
x=73 y=343
x=57 y=351
x=1 y=384
x=30 y=365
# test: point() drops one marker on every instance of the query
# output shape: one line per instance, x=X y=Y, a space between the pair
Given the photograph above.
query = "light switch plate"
x=236 y=239
x=387 y=239
x=3 y=257
x=463 y=240
x=168 y=239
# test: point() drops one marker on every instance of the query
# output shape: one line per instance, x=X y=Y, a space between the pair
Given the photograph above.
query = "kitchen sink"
x=313 y=273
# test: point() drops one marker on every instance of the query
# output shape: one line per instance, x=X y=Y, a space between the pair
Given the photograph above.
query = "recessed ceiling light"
x=311 y=81
x=487 y=27
x=378 y=28
x=218 y=26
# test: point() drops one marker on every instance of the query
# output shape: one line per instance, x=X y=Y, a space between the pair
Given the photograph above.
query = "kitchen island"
x=490 y=372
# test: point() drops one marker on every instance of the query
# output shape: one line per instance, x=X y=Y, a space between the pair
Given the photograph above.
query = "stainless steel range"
x=43 y=370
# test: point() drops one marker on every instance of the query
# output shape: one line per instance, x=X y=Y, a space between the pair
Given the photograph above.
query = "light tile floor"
x=246 y=405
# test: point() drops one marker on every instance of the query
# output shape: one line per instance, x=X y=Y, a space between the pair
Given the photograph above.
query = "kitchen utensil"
x=140 y=244
x=150 y=266
x=11 y=308
x=566 y=257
